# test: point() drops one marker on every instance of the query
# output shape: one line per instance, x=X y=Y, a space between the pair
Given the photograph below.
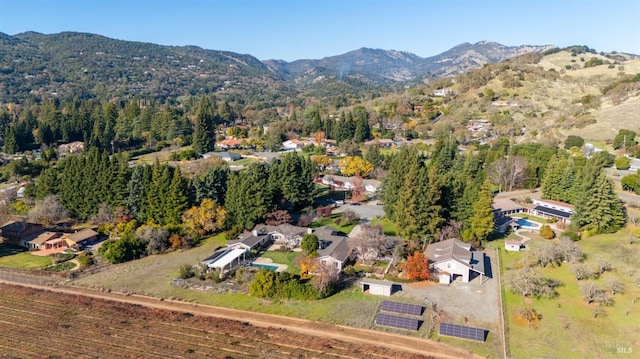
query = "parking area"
x=367 y=211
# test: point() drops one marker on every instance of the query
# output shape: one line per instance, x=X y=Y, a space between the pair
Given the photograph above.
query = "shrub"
x=528 y=317
x=546 y=232
x=186 y=271
x=574 y=236
x=85 y=259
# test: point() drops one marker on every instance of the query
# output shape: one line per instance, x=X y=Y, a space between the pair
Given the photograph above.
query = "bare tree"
x=508 y=173
x=371 y=242
x=528 y=281
x=591 y=293
x=325 y=277
x=156 y=239
x=104 y=215
x=48 y=211
x=603 y=265
x=614 y=286
x=582 y=272
x=569 y=251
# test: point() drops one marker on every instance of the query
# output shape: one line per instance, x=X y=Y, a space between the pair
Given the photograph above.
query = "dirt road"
x=323 y=330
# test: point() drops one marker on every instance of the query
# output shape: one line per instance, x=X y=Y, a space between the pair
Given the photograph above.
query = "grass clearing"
x=14 y=256
x=388 y=227
x=568 y=314
x=288 y=258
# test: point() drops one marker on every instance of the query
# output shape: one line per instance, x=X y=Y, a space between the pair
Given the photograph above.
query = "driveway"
x=477 y=300
x=366 y=211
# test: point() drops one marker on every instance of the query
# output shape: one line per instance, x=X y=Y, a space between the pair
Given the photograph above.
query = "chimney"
x=309 y=230
x=255 y=232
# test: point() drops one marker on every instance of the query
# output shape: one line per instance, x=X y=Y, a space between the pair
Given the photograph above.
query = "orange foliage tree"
x=417 y=267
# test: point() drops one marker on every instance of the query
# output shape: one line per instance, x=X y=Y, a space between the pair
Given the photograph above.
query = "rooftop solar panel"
x=397 y=322
x=402 y=308
x=460 y=331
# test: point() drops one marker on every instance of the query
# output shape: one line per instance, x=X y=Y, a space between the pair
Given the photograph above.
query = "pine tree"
x=482 y=222
x=598 y=208
x=395 y=179
x=248 y=198
x=204 y=133
x=177 y=200
x=406 y=205
x=428 y=209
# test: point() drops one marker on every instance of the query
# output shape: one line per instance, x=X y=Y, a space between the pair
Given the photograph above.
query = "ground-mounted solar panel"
x=402 y=308
x=460 y=331
x=397 y=322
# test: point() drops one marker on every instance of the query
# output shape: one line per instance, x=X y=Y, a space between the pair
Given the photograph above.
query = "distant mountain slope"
x=88 y=65
x=82 y=65
x=390 y=66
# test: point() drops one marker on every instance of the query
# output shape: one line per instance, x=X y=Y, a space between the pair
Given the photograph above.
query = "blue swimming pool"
x=524 y=223
x=264 y=266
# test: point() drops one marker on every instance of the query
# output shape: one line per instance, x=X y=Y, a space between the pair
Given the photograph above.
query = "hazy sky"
x=312 y=29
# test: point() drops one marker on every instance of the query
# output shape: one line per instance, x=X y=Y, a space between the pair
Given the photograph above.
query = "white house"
x=376 y=286
x=453 y=258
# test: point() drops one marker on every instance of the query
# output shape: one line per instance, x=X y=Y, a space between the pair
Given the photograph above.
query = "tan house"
x=80 y=238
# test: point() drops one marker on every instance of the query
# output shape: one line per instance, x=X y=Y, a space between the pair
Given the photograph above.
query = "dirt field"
x=73 y=322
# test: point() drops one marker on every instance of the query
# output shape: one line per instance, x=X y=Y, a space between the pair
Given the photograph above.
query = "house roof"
x=250 y=240
x=513 y=243
x=230 y=142
x=371 y=281
x=553 y=212
x=477 y=262
x=224 y=257
x=553 y=202
x=338 y=248
x=44 y=237
x=450 y=249
x=505 y=204
x=284 y=229
x=82 y=235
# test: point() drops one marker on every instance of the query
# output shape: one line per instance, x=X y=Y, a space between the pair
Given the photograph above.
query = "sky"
x=312 y=29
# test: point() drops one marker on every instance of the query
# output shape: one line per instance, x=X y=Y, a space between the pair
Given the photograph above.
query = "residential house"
x=39 y=242
x=370 y=185
x=455 y=259
x=334 y=250
x=80 y=238
x=381 y=142
x=502 y=209
x=18 y=232
x=225 y=156
x=442 y=92
x=295 y=144
x=547 y=208
x=230 y=143
x=69 y=148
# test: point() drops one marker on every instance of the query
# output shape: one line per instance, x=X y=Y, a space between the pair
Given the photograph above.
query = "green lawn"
x=331 y=222
x=288 y=258
x=568 y=328
x=388 y=227
x=13 y=256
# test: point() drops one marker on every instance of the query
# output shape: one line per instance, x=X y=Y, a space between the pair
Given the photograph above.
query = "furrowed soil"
x=39 y=322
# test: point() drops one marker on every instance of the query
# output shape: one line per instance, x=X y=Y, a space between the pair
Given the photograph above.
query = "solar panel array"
x=397 y=322
x=402 y=308
x=460 y=331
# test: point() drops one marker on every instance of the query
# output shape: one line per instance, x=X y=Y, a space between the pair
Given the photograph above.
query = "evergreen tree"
x=248 y=198
x=598 y=208
x=482 y=222
x=10 y=142
x=212 y=185
x=136 y=191
x=428 y=209
x=204 y=134
x=47 y=183
x=362 y=130
x=393 y=183
x=177 y=200
x=406 y=205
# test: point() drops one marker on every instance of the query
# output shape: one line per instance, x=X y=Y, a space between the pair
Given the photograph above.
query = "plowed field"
x=42 y=324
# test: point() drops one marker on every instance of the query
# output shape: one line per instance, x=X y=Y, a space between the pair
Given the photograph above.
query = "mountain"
x=390 y=66
x=88 y=65
x=71 y=64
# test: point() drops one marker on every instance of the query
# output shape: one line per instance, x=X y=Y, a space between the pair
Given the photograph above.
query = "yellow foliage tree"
x=307 y=266
x=321 y=161
x=355 y=165
x=204 y=219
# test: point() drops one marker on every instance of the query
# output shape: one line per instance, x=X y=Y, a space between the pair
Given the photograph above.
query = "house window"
x=448 y=265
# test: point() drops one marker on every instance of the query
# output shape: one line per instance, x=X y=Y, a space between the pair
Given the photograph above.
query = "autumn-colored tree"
x=357 y=189
x=321 y=161
x=417 y=267
x=318 y=137
x=546 y=232
x=307 y=266
x=204 y=219
x=355 y=165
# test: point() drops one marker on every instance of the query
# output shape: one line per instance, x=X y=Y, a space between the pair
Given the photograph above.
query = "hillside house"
x=453 y=259
x=81 y=238
x=70 y=148
x=40 y=241
x=20 y=232
x=230 y=143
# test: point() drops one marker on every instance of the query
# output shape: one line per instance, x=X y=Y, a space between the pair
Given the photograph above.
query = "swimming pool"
x=524 y=223
x=264 y=266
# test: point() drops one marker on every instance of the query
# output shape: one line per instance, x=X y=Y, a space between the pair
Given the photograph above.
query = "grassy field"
x=568 y=328
x=13 y=256
x=388 y=226
x=288 y=258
